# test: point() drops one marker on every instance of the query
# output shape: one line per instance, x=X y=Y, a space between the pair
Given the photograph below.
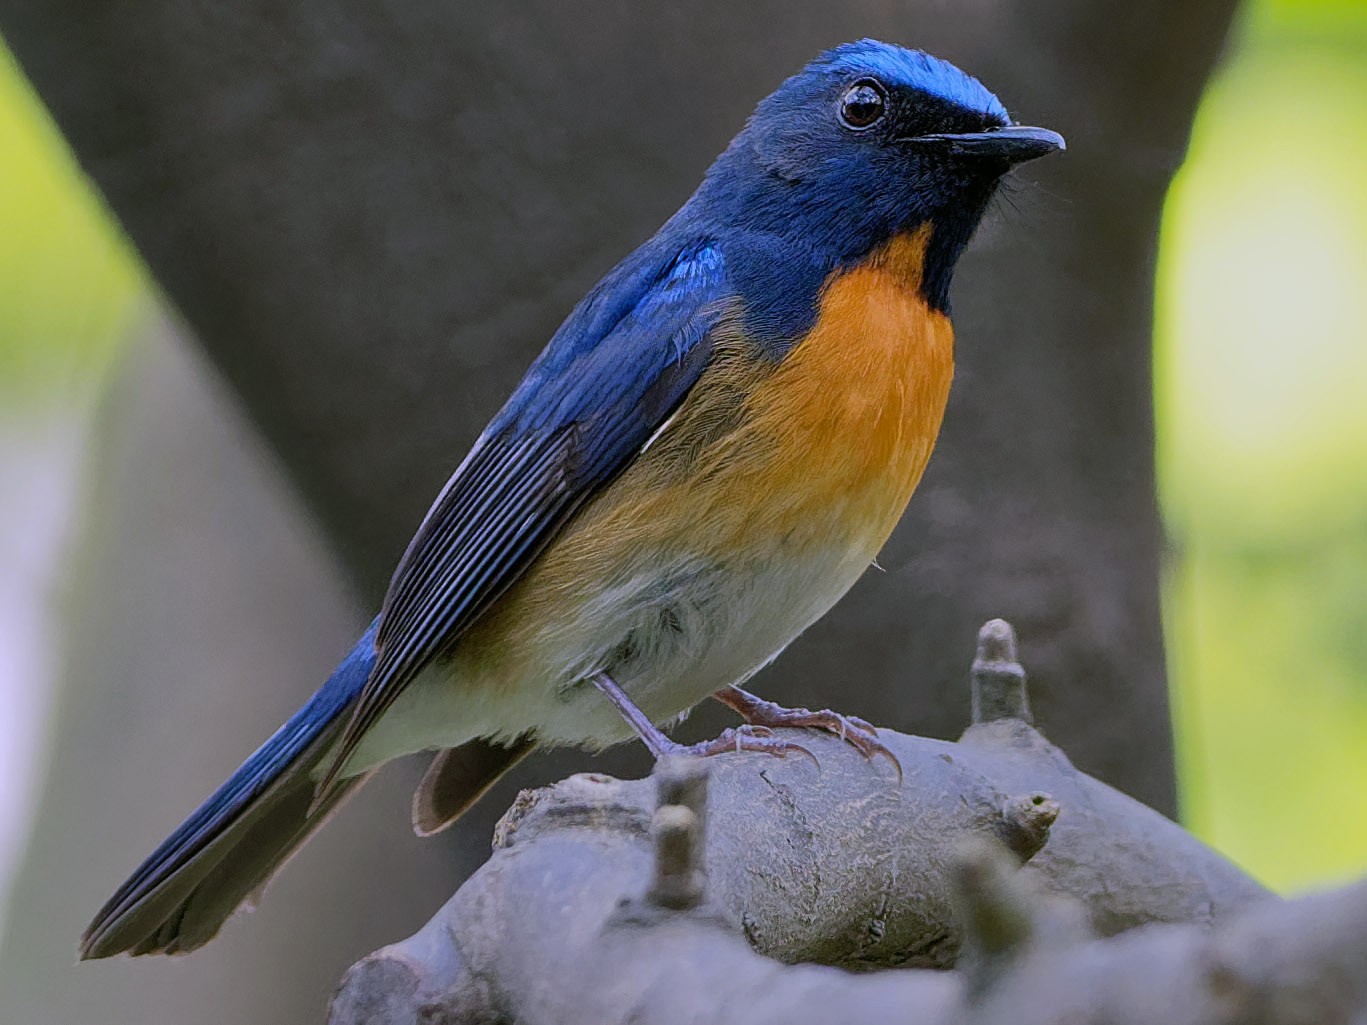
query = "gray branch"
x=739 y=881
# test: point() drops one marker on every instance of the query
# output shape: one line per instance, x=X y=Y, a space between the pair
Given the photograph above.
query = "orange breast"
x=856 y=406
x=825 y=447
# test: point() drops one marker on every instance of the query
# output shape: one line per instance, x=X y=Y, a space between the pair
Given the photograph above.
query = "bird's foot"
x=750 y=737
x=757 y=712
x=756 y=737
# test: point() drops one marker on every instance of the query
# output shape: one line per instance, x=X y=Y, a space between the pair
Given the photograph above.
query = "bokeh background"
x=1261 y=400
x=140 y=500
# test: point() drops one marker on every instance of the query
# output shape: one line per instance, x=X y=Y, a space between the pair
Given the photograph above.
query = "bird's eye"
x=863 y=104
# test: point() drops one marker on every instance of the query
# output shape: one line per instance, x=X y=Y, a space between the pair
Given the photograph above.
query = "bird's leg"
x=860 y=735
x=749 y=737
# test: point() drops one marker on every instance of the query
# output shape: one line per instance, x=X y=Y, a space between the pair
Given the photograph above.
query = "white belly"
x=670 y=637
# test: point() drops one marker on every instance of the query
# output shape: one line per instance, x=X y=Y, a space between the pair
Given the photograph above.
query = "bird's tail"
x=230 y=847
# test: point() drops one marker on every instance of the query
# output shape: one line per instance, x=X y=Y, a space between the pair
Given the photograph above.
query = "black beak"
x=1014 y=144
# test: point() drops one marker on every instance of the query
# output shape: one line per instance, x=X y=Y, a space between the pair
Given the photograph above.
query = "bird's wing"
x=612 y=374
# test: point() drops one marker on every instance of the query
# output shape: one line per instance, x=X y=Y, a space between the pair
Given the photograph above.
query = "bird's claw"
x=747 y=737
x=858 y=733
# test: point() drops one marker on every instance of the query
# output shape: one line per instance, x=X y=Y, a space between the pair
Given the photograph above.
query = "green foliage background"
x=68 y=283
x=1261 y=401
x=1260 y=396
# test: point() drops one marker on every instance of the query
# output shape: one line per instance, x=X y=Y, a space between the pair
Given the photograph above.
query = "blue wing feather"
x=614 y=372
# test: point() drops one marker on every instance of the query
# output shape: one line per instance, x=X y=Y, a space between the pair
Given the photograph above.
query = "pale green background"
x=1261 y=399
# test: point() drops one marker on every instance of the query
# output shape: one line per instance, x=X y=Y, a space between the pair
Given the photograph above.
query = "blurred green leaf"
x=68 y=281
x=1260 y=380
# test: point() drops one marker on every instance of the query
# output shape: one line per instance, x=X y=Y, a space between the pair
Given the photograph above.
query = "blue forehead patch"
x=914 y=69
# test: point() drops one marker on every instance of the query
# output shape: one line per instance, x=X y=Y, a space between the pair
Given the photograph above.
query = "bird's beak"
x=1014 y=144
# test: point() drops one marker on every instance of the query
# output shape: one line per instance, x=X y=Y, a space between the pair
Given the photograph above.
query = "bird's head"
x=868 y=141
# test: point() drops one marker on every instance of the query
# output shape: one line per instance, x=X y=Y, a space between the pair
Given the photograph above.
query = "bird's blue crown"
x=913 y=69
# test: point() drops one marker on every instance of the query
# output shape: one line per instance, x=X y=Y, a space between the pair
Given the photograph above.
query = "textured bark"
x=373 y=215
x=1027 y=959
x=679 y=898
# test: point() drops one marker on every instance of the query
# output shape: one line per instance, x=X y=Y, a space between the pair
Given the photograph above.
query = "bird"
x=709 y=452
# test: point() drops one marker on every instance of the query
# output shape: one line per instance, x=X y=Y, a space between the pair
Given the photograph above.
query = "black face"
x=905 y=113
x=866 y=146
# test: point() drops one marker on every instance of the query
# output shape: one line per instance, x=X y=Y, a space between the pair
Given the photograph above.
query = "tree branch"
x=839 y=865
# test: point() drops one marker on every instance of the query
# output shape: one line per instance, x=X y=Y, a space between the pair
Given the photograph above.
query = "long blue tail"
x=189 y=886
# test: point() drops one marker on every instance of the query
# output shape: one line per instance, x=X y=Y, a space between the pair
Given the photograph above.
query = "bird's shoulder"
x=644 y=319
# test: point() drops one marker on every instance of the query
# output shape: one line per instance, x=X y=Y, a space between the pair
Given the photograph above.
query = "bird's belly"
x=670 y=634
x=679 y=632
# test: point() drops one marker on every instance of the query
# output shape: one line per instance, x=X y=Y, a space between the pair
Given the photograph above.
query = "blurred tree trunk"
x=374 y=215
